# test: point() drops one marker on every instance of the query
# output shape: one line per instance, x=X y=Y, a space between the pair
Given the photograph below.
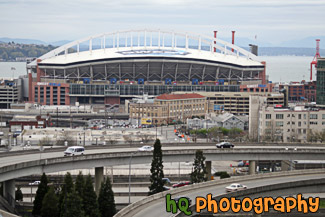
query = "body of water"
x=278 y=68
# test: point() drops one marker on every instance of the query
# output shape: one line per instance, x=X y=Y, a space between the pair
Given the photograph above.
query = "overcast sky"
x=273 y=21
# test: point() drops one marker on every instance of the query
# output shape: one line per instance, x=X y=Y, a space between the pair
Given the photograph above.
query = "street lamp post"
x=130 y=176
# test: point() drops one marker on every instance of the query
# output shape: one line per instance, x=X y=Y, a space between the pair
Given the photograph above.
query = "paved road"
x=4 y=161
x=158 y=208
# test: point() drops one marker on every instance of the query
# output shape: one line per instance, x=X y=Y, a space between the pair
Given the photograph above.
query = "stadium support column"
x=208 y=168
x=9 y=191
x=262 y=75
x=252 y=167
x=99 y=178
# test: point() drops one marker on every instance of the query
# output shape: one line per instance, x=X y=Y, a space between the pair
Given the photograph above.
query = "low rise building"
x=236 y=103
x=300 y=91
x=293 y=124
x=225 y=120
x=168 y=108
x=21 y=122
x=9 y=93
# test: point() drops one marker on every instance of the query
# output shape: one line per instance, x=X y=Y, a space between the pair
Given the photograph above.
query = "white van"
x=74 y=150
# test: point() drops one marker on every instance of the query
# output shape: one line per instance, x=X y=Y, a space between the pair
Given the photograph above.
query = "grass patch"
x=322 y=203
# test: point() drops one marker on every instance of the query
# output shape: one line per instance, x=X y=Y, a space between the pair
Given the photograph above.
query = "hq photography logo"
x=258 y=205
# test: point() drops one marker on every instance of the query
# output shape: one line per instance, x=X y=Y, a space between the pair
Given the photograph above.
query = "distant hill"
x=305 y=42
x=23 y=41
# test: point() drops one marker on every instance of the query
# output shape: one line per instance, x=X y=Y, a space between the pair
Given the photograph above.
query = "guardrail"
x=128 y=211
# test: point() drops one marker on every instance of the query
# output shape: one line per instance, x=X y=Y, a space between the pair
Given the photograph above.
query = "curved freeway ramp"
x=272 y=184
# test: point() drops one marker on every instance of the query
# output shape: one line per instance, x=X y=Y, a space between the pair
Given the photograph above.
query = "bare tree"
x=66 y=138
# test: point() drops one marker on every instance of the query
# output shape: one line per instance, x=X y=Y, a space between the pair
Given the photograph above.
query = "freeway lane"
x=158 y=207
x=4 y=161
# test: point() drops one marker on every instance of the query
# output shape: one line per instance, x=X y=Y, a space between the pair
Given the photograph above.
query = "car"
x=35 y=183
x=235 y=187
x=145 y=148
x=181 y=184
x=74 y=150
x=225 y=145
x=166 y=181
x=176 y=199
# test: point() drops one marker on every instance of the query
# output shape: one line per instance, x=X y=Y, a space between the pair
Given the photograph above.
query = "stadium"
x=108 y=68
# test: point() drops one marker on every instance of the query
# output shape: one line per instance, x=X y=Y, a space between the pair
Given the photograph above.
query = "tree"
x=50 y=204
x=72 y=206
x=40 y=193
x=199 y=172
x=80 y=184
x=157 y=173
x=67 y=188
x=89 y=199
x=106 y=201
x=19 y=194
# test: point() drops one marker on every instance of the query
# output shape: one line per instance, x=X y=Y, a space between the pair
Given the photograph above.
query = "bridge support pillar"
x=252 y=167
x=99 y=178
x=9 y=191
x=208 y=168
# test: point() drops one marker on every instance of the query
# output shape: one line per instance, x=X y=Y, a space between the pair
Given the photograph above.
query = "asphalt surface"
x=4 y=161
x=158 y=208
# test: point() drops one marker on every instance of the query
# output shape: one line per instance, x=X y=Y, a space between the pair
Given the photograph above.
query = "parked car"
x=145 y=148
x=74 y=150
x=179 y=197
x=235 y=187
x=225 y=145
x=181 y=184
x=35 y=183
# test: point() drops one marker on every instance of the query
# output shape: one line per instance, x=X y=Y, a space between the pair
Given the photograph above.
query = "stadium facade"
x=111 y=67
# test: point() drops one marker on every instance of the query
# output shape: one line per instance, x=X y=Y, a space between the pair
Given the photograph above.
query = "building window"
x=313 y=122
x=268 y=123
x=299 y=124
x=279 y=116
x=304 y=131
x=313 y=116
x=299 y=116
x=323 y=116
x=268 y=116
x=305 y=116
x=279 y=123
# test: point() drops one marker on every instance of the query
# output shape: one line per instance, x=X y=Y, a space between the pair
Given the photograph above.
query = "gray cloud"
x=271 y=20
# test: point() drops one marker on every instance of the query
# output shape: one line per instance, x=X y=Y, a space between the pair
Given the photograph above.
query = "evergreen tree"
x=106 y=201
x=72 y=206
x=157 y=173
x=40 y=193
x=89 y=199
x=19 y=194
x=80 y=183
x=199 y=172
x=67 y=188
x=50 y=205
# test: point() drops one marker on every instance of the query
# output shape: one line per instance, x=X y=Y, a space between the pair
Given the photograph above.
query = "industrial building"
x=300 y=91
x=111 y=67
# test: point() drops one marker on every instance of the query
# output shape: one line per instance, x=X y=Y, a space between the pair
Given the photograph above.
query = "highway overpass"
x=267 y=185
x=15 y=166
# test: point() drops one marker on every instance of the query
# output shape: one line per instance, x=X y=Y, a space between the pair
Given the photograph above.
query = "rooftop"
x=180 y=96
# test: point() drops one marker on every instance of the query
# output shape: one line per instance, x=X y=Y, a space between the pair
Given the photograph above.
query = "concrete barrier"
x=129 y=210
x=6 y=214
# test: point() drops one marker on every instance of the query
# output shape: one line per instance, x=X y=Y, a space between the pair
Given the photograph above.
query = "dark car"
x=181 y=184
x=179 y=197
x=225 y=145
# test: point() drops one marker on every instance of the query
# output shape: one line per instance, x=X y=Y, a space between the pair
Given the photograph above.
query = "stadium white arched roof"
x=148 y=42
